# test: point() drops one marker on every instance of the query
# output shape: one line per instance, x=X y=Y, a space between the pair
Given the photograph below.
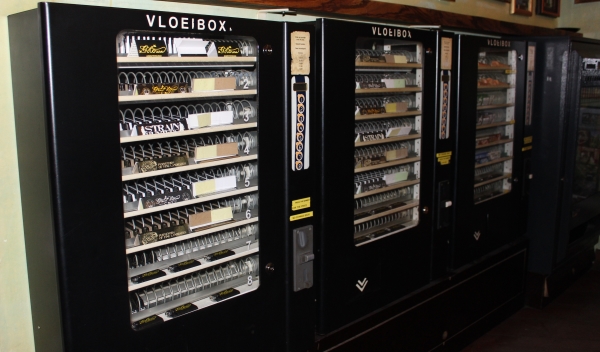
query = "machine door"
x=168 y=134
x=377 y=168
x=491 y=98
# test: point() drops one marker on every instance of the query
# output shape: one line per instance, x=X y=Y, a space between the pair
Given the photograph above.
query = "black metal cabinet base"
x=543 y=289
x=446 y=315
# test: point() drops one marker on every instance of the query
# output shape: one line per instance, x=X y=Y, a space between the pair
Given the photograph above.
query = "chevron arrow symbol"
x=362 y=284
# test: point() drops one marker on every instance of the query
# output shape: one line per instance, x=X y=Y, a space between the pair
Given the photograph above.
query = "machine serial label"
x=301 y=203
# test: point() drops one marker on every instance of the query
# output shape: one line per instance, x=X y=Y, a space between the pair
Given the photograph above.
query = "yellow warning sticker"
x=302 y=203
x=527 y=140
x=301 y=216
x=444 y=158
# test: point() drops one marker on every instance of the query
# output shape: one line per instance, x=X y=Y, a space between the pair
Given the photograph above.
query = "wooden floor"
x=570 y=323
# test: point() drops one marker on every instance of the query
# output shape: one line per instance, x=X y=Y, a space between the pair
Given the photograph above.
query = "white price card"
x=215 y=118
x=215 y=185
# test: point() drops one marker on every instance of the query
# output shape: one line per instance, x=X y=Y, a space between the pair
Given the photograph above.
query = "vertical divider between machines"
x=445 y=154
x=302 y=169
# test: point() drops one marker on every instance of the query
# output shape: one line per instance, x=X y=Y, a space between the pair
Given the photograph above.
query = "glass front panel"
x=388 y=100
x=188 y=111
x=587 y=172
x=495 y=123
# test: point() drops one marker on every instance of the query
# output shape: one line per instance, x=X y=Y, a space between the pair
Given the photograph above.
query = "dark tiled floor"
x=570 y=323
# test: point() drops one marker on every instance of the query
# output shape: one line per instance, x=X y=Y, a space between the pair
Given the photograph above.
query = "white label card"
x=396 y=177
x=216 y=118
x=215 y=185
x=398 y=131
x=394 y=83
x=446 y=54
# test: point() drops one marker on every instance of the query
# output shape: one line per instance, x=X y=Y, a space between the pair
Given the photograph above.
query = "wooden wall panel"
x=391 y=13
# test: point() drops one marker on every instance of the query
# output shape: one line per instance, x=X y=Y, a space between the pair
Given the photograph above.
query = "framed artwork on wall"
x=549 y=8
x=521 y=7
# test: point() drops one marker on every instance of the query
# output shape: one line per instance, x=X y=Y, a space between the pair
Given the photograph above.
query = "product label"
x=230 y=292
x=151 y=320
x=163 y=234
x=158 y=128
x=164 y=199
x=369 y=161
x=161 y=88
x=162 y=163
x=151 y=275
x=371 y=85
x=369 y=186
x=371 y=111
x=370 y=136
x=152 y=48
x=228 y=50
x=367 y=58
x=181 y=310
x=184 y=265
x=220 y=255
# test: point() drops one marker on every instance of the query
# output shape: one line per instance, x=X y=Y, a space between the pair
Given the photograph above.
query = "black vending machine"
x=494 y=95
x=166 y=175
x=381 y=171
x=565 y=198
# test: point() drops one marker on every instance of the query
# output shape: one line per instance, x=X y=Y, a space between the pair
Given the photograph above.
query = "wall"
x=584 y=16
x=15 y=315
x=497 y=10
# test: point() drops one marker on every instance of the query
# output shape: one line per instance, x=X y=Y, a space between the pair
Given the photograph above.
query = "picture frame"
x=549 y=8
x=521 y=7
